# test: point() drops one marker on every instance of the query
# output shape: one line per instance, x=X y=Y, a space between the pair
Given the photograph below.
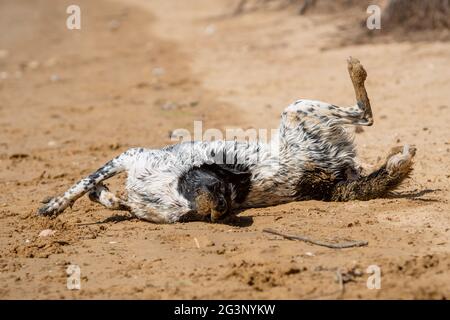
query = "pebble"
x=158 y=71
x=4 y=54
x=50 y=62
x=55 y=78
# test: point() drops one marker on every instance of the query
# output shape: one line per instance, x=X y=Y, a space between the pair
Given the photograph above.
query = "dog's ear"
x=239 y=179
x=228 y=173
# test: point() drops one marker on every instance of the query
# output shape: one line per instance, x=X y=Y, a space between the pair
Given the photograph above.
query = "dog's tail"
x=379 y=183
x=57 y=205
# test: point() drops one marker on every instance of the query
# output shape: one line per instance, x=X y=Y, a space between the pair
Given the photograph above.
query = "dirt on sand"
x=72 y=99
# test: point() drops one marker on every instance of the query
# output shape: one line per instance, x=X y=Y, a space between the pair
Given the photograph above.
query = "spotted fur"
x=315 y=158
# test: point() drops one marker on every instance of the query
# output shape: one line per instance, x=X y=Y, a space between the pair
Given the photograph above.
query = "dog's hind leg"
x=102 y=195
x=317 y=112
x=379 y=183
x=58 y=204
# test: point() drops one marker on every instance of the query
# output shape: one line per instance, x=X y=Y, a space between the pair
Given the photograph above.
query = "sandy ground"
x=71 y=100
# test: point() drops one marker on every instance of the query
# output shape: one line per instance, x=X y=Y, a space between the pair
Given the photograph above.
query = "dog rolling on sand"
x=316 y=159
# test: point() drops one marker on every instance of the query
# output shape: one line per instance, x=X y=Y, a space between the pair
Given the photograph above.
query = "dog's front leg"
x=58 y=204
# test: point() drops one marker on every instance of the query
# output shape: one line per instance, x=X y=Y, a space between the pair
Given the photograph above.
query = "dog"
x=198 y=180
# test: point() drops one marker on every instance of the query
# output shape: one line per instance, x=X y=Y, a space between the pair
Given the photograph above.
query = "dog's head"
x=209 y=188
x=212 y=200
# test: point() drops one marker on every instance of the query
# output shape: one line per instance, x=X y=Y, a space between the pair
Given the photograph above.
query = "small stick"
x=348 y=244
x=358 y=75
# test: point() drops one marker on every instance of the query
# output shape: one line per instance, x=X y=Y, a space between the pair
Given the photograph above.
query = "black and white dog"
x=315 y=159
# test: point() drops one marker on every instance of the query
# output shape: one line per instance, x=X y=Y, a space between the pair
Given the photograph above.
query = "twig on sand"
x=347 y=244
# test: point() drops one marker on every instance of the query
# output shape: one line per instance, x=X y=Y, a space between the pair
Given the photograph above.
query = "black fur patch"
x=207 y=175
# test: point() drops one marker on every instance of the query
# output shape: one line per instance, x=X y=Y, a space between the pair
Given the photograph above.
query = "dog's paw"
x=53 y=206
x=400 y=159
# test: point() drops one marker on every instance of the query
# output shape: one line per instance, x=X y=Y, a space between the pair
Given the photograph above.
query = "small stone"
x=113 y=25
x=169 y=106
x=193 y=103
x=309 y=254
x=158 y=71
x=55 y=78
x=51 y=143
x=210 y=30
x=210 y=243
x=47 y=233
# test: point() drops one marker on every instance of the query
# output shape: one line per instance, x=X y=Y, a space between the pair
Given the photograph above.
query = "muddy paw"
x=400 y=159
x=53 y=206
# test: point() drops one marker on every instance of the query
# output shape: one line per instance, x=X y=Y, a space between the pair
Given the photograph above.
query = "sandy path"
x=227 y=72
